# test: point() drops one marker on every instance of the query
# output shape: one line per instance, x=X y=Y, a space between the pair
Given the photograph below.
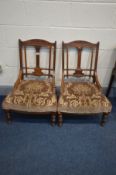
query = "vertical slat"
x=49 y=60
x=78 y=72
x=37 y=57
x=91 y=62
x=67 y=60
x=62 y=82
x=79 y=58
x=25 y=58
x=54 y=57
x=20 y=55
x=63 y=57
x=96 y=58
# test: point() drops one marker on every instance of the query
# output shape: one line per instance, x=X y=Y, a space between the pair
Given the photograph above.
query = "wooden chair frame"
x=37 y=70
x=78 y=72
x=113 y=76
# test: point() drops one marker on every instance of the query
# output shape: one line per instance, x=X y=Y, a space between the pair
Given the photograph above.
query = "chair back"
x=79 y=58
x=35 y=52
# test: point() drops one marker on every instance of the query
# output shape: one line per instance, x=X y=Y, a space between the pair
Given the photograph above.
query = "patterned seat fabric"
x=83 y=98
x=32 y=96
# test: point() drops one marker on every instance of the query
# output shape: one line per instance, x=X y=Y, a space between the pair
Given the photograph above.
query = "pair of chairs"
x=34 y=91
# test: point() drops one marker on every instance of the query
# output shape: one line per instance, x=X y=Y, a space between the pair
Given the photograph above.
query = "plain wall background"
x=57 y=20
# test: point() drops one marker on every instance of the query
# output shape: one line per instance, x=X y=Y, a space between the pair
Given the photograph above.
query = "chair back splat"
x=37 y=69
x=82 y=48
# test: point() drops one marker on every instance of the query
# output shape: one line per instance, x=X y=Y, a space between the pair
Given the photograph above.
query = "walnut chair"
x=81 y=92
x=113 y=77
x=34 y=90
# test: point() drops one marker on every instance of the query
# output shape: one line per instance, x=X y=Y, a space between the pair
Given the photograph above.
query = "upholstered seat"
x=83 y=98
x=32 y=96
x=34 y=89
x=81 y=92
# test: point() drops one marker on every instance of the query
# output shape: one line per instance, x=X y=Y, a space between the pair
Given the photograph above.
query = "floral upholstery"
x=32 y=96
x=83 y=98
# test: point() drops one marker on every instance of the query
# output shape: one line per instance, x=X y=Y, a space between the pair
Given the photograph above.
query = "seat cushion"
x=83 y=98
x=32 y=96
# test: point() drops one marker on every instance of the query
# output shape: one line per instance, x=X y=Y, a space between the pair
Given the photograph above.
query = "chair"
x=80 y=89
x=113 y=77
x=34 y=90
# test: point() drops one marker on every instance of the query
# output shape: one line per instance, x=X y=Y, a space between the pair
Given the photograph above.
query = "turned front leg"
x=60 y=119
x=104 y=119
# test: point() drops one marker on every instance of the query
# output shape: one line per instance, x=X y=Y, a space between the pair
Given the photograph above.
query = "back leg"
x=60 y=119
x=104 y=119
x=8 y=116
